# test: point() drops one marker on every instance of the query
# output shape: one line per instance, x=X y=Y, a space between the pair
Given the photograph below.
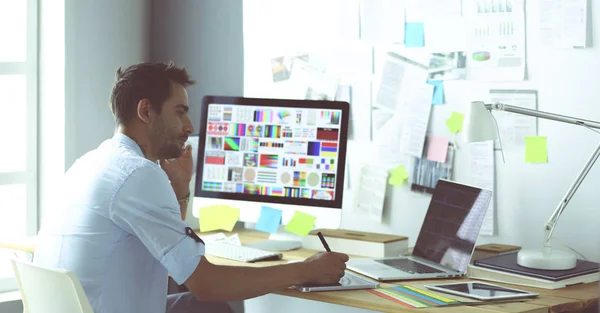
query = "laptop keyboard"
x=410 y=266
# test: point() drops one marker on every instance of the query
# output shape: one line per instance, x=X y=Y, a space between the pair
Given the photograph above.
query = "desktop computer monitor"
x=281 y=153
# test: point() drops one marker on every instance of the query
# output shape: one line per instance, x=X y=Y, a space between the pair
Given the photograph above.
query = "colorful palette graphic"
x=214 y=143
x=299 y=179
x=328 y=180
x=314 y=148
x=237 y=129
x=329 y=149
x=227 y=113
x=285 y=178
x=233 y=187
x=263 y=116
x=331 y=117
x=299 y=117
x=218 y=128
x=306 y=161
x=295 y=147
x=234 y=174
x=306 y=193
x=288 y=162
x=232 y=144
x=249 y=144
x=212 y=186
x=292 y=192
x=287 y=132
x=271 y=191
x=283 y=114
x=268 y=160
x=215 y=157
x=323 y=194
x=250 y=159
x=265 y=177
x=254 y=130
x=252 y=189
x=272 y=131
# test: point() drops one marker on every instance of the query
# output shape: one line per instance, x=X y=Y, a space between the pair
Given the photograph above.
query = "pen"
x=325 y=245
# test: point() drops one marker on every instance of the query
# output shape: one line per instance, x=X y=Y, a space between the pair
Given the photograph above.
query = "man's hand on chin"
x=179 y=171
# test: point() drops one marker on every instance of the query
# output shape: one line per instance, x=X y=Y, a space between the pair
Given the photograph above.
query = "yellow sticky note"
x=398 y=176
x=228 y=216
x=209 y=218
x=455 y=122
x=536 y=149
x=301 y=224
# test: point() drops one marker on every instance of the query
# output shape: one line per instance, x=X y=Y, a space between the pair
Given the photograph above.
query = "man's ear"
x=143 y=110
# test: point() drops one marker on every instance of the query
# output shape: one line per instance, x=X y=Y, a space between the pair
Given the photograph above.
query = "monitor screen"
x=452 y=224
x=272 y=150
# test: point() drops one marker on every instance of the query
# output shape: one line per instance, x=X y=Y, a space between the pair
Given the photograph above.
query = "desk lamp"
x=481 y=126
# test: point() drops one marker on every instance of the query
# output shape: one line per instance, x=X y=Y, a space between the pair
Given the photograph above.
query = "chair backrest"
x=49 y=290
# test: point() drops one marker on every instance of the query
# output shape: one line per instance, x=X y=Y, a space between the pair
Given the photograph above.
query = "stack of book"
x=504 y=268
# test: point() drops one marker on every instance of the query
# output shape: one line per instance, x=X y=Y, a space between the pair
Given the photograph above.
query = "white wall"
x=82 y=44
x=526 y=193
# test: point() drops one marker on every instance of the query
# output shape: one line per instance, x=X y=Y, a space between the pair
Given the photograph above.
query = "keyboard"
x=411 y=266
x=241 y=253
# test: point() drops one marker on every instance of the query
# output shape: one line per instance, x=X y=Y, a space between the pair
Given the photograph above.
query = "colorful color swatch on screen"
x=271 y=191
x=292 y=192
x=299 y=179
x=237 y=129
x=268 y=160
x=266 y=177
x=327 y=134
x=329 y=149
x=215 y=157
x=263 y=116
x=331 y=117
x=314 y=148
x=215 y=143
x=227 y=113
x=212 y=186
x=328 y=180
x=218 y=128
x=252 y=189
x=232 y=144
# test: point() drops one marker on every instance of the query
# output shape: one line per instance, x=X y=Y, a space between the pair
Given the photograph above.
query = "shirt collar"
x=125 y=140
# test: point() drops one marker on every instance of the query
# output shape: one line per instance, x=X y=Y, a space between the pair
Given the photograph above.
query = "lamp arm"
x=545 y=115
x=551 y=223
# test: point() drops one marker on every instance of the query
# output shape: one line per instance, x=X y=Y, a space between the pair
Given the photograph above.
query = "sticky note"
x=438 y=91
x=414 y=35
x=216 y=217
x=301 y=224
x=455 y=122
x=269 y=220
x=536 y=149
x=437 y=149
x=398 y=176
x=209 y=218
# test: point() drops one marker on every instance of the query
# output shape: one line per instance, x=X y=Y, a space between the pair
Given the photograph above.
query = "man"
x=120 y=228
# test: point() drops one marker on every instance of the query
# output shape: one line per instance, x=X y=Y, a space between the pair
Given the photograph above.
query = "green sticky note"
x=536 y=149
x=227 y=217
x=301 y=224
x=209 y=218
x=398 y=176
x=455 y=122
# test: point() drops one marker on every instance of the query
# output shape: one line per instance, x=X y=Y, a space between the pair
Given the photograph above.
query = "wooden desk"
x=578 y=298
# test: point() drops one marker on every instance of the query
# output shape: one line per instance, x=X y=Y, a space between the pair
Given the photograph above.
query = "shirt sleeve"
x=146 y=207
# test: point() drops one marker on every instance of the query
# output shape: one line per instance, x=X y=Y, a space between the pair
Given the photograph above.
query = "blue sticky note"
x=414 y=35
x=269 y=220
x=438 y=91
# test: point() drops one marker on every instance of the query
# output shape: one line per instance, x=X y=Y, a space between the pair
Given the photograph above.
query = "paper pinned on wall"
x=536 y=149
x=563 y=23
x=496 y=41
x=382 y=21
x=416 y=114
x=398 y=176
x=438 y=91
x=455 y=122
x=437 y=149
x=481 y=163
x=414 y=34
x=369 y=194
x=515 y=127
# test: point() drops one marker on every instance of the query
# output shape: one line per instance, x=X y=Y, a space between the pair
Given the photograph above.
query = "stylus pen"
x=325 y=245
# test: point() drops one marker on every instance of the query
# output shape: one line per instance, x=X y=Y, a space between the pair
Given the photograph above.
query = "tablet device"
x=482 y=291
x=348 y=282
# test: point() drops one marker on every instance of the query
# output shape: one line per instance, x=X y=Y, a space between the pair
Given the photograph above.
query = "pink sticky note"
x=437 y=148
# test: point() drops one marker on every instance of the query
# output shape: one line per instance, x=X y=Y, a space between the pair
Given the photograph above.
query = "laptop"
x=446 y=241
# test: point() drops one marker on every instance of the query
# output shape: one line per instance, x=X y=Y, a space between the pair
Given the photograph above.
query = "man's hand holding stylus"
x=325 y=267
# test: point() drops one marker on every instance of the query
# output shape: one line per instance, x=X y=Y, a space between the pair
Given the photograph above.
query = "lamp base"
x=547 y=259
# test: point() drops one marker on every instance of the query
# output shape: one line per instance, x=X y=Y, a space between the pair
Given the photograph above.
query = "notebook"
x=508 y=263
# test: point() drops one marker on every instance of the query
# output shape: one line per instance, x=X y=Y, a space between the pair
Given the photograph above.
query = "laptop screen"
x=452 y=224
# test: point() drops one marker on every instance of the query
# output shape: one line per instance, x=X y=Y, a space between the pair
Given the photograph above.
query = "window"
x=18 y=126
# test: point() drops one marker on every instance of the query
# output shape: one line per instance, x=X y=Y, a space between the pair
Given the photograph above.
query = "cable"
x=565 y=245
x=499 y=138
x=594 y=130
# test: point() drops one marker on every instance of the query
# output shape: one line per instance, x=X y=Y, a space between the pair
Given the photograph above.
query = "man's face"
x=169 y=130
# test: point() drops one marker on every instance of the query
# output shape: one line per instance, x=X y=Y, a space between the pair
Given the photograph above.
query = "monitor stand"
x=282 y=240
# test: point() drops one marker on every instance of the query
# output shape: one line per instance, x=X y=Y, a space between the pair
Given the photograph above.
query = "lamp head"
x=479 y=124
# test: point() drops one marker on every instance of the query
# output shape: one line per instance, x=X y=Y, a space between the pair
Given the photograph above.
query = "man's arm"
x=210 y=282
x=183 y=204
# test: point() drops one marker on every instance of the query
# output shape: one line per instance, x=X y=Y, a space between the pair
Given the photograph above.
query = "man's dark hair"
x=148 y=80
